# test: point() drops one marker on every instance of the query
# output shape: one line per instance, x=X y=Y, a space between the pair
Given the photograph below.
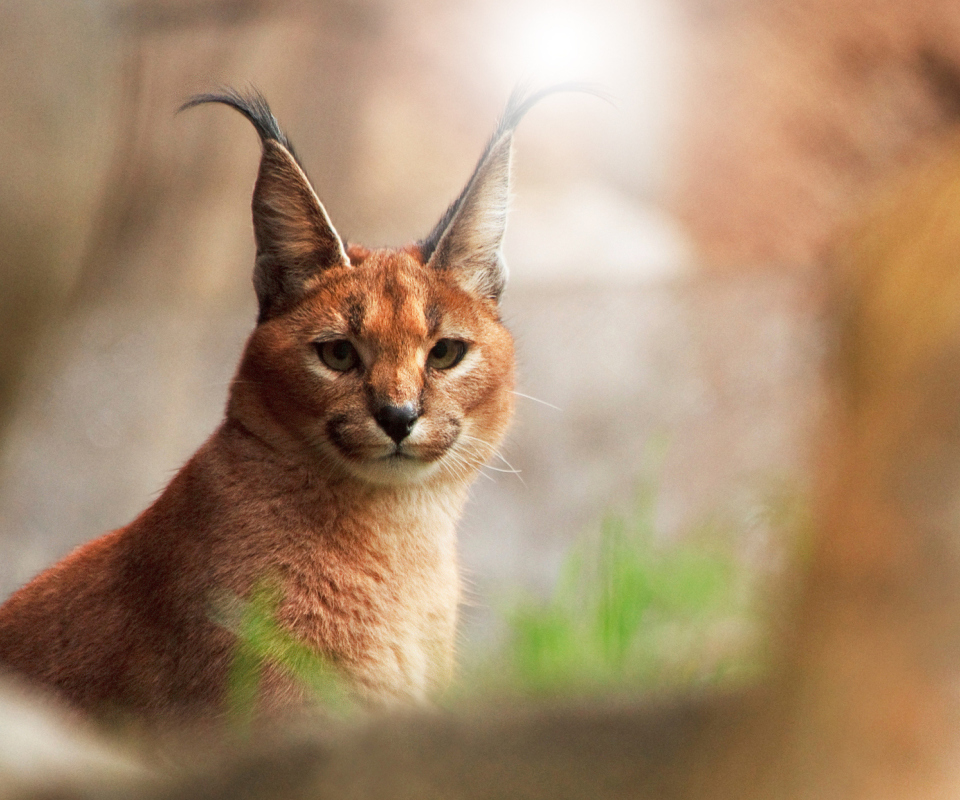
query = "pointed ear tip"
x=273 y=146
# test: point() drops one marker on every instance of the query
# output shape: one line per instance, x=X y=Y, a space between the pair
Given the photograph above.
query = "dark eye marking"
x=434 y=317
x=355 y=313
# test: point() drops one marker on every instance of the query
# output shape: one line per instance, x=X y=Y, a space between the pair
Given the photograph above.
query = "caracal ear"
x=295 y=238
x=469 y=237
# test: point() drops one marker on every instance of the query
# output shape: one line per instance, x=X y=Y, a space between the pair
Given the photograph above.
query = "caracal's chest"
x=377 y=593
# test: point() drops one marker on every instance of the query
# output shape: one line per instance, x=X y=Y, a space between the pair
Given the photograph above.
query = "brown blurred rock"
x=46 y=752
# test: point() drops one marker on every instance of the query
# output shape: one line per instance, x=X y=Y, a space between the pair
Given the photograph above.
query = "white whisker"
x=510 y=467
x=482 y=457
x=538 y=400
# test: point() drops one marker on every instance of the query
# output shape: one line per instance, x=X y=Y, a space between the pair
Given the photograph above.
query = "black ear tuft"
x=253 y=106
x=469 y=235
x=295 y=238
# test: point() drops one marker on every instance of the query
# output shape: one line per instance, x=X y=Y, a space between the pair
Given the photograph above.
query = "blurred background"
x=667 y=253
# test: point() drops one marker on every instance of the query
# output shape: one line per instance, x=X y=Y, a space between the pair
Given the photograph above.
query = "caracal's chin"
x=393 y=470
x=453 y=456
x=385 y=465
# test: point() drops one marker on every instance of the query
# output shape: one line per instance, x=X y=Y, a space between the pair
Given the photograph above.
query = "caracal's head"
x=390 y=370
x=389 y=365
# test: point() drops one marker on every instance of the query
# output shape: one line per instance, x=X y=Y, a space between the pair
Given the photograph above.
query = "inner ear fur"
x=468 y=240
x=295 y=238
x=470 y=244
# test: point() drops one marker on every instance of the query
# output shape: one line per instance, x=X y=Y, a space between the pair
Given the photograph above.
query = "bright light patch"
x=550 y=44
x=561 y=45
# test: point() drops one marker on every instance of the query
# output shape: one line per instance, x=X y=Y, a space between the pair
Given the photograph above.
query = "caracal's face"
x=389 y=370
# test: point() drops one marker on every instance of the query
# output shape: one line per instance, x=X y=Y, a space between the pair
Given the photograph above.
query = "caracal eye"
x=446 y=353
x=338 y=354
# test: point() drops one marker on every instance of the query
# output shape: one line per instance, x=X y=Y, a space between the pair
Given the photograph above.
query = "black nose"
x=397 y=421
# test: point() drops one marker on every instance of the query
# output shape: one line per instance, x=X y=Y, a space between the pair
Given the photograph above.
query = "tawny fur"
x=300 y=485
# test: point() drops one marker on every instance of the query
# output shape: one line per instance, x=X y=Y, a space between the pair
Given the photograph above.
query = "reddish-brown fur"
x=299 y=486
